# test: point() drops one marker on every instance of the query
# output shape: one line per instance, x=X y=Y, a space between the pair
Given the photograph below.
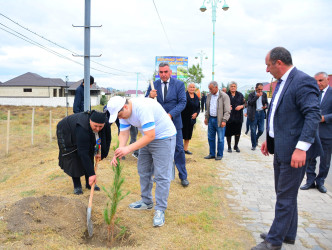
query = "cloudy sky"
x=132 y=35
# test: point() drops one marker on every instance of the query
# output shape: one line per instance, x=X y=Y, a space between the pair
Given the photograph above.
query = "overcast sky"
x=132 y=35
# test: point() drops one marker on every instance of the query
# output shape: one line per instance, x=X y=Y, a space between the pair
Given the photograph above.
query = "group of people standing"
x=299 y=129
x=298 y=110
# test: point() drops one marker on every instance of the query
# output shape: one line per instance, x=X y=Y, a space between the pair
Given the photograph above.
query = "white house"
x=34 y=90
x=132 y=93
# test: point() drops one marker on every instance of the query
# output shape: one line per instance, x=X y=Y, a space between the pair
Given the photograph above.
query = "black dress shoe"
x=286 y=240
x=188 y=152
x=253 y=148
x=229 y=150
x=237 y=149
x=209 y=157
x=78 y=191
x=266 y=246
x=322 y=189
x=218 y=158
x=184 y=183
x=96 y=187
x=308 y=186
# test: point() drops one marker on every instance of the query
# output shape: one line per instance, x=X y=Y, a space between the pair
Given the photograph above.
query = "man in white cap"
x=157 y=146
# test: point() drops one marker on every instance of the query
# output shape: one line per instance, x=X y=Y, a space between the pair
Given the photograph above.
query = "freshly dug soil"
x=62 y=215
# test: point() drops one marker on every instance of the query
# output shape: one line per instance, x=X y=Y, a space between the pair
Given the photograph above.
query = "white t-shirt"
x=148 y=114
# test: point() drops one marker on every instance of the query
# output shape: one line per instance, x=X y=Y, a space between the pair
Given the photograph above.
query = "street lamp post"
x=201 y=54
x=214 y=4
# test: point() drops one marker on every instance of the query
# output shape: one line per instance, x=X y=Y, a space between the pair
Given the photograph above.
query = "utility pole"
x=87 y=55
x=87 y=26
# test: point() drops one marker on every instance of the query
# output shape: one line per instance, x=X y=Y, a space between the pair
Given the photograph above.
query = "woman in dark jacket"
x=77 y=135
x=189 y=115
x=234 y=124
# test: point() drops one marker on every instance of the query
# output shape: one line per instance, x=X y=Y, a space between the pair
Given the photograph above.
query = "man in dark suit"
x=171 y=95
x=292 y=136
x=257 y=103
x=78 y=105
x=325 y=135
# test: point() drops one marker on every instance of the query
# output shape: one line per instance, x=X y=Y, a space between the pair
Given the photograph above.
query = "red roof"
x=132 y=92
x=330 y=80
x=267 y=87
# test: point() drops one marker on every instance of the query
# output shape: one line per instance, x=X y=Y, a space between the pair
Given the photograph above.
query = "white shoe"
x=140 y=205
x=159 y=218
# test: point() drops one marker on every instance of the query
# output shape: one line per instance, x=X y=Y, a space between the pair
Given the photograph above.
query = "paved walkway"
x=251 y=194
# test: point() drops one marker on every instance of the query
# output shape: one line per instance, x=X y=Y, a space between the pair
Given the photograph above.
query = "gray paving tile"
x=252 y=195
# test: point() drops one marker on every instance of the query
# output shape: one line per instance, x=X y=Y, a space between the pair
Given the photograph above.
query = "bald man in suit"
x=292 y=136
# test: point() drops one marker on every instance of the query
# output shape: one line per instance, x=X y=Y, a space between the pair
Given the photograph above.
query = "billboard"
x=178 y=65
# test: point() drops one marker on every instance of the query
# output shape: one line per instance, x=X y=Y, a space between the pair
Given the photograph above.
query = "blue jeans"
x=214 y=129
x=257 y=123
x=247 y=125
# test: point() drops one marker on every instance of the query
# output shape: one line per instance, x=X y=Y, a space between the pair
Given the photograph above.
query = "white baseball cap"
x=114 y=105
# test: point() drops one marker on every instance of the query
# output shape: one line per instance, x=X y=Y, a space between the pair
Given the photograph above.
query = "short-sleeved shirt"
x=148 y=114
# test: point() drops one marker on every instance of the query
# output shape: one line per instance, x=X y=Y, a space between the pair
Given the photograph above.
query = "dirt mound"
x=60 y=214
x=63 y=216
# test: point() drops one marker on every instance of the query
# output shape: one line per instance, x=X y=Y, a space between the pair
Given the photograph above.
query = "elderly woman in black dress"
x=234 y=124
x=189 y=115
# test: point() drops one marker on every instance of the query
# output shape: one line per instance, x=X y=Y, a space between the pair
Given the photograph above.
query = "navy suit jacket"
x=296 y=118
x=325 y=128
x=79 y=99
x=175 y=100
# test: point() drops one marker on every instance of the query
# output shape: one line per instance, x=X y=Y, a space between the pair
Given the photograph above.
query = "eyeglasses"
x=161 y=72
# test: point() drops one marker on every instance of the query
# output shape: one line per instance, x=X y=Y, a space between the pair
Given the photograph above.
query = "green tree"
x=114 y=194
x=246 y=94
x=195 y=74
x=103 y=100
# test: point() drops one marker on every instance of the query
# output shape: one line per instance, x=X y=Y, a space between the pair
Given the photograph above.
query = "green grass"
x=28 y=193
x=4 y=179
x=209 y=191
x=54 y=176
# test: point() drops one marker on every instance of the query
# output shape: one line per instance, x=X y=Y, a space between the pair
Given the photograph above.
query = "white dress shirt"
x=324 y=92
x=214 y=104
x=259 y=103
x=300 y=144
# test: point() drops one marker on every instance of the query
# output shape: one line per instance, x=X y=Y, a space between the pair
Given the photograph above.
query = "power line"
x=163 y=27
x=29 y=40
x=64 y=48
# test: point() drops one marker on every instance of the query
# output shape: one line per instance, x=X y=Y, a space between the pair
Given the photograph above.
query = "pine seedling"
x=114 y=195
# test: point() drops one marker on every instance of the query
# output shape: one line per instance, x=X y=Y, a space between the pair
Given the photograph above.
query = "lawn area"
x=198 y=217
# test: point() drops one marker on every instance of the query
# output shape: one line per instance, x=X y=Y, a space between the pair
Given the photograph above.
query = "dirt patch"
x=33 y=214
x=64 y=216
